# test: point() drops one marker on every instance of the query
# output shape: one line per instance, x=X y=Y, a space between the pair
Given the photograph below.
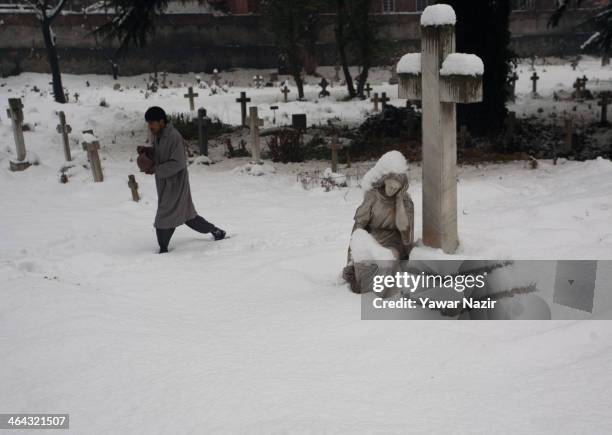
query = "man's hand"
x=141 y=149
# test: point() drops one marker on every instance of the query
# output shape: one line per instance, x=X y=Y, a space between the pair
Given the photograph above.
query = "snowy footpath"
x=258 y=333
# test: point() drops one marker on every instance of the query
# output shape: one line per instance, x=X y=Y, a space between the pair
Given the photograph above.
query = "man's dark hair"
x=155 y=114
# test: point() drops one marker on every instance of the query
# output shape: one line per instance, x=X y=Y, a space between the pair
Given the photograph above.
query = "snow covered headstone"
x=15 y=113
x=92 y=146
x=440 y=78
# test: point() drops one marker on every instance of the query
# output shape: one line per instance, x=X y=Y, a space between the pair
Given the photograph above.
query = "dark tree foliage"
x=601 y=22
x=133 y=21
x=483 y=29
x=294 y=24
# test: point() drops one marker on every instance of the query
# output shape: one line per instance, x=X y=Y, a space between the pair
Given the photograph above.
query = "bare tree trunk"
x=341 y=43
x=58 y=89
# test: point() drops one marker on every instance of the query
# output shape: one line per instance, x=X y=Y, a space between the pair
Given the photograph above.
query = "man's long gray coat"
x=174 y=204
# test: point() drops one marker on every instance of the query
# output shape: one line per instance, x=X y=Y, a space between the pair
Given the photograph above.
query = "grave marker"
x=375 y=101
x=440 y=91
x=384 y=100
x=133 y=185
x=285 y=91
x=15 y=113
x=94 y=160
x=323 y=84
x=274 y=109
x=258 y=80
x=603 y=103
x=534 y=87
x=191 y=97
x=254 y=123
x=299 y=121
x=203 y=131
x=368 y=89
x=334 y=154
x=337 y=72
x=64 y=129
x=243 y=100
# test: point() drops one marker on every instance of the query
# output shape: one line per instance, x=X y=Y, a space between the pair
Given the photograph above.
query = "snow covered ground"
x=258 y=333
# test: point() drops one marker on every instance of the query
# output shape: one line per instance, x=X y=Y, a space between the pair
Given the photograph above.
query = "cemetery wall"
x=186 y=43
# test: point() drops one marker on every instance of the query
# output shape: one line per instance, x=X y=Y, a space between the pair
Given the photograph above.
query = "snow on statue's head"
x=390 y=172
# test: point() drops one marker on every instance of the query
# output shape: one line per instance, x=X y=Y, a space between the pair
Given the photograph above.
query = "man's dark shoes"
x=218 y=234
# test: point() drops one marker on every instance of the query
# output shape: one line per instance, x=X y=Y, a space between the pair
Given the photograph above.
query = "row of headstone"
x=20 y=163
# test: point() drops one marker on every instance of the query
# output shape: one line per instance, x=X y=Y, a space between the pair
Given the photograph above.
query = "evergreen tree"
x=601 y=21
x=483 y=29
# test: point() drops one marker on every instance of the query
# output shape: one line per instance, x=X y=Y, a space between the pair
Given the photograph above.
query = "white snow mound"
x=438 y=15
x=462 y=64
x=365 y=248
x=392 y=162
x=409 y=64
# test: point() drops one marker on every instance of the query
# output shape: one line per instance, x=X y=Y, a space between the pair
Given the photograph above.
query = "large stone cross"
x=441 y=79
x=191 y=97
x=15 y=113
x=254 y=123
x=64 y=129
x=243 y=100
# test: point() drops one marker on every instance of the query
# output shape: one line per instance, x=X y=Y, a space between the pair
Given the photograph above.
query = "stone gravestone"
x=203 y=131
x=133 y=185
x=441 y=79
x=285 y=91
x=254 y=123
x=191 y=97
x=164 y=78
x=258 y=80
x=534 y=86
x=243 y=100
x=299 y=121
x=368 y=89
x=375 y=100
x=273 y=77
x=274 y=109
x=93 y=146
x=603 y=103
x=323 y=84
x=64 y=129
x=384 y=100
x=15 y=113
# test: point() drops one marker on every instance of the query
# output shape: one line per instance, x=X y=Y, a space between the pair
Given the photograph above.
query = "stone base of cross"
x=440 y=78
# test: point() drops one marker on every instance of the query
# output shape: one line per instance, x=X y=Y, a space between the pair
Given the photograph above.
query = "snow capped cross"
x=440 y=78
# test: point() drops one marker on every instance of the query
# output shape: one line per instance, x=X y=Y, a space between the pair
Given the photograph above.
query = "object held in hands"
x=145 y=160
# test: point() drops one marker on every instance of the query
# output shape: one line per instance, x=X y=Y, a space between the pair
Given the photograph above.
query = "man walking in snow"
x=166 y=159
